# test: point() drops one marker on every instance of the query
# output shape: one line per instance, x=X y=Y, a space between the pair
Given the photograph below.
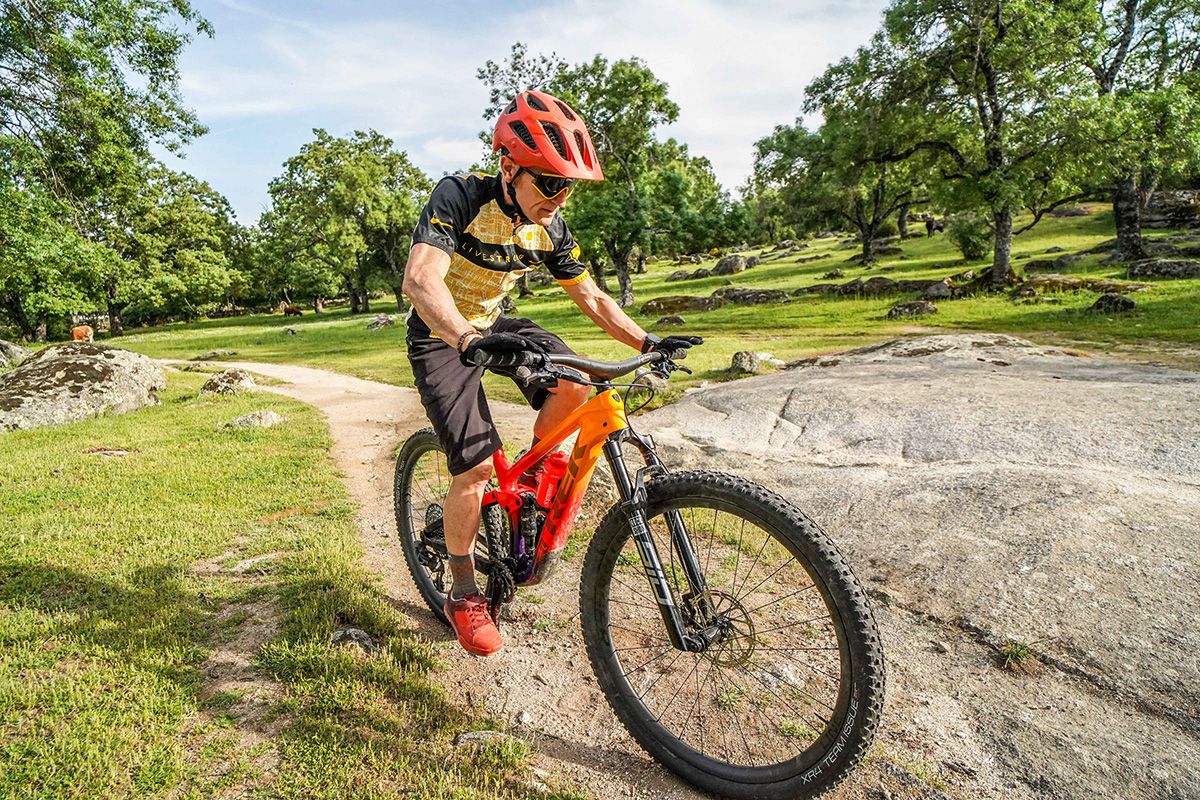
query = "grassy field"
x=1164 y=327
x=130 y=587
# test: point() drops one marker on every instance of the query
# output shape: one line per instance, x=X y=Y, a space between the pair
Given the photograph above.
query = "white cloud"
x=736 y=69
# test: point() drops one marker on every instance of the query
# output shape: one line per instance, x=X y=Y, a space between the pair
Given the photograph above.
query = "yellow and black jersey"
x=468 y=217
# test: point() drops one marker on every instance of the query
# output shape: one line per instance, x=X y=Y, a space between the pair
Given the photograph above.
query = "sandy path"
x=541 y=683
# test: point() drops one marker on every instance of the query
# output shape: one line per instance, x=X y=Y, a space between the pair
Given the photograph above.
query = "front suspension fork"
x=633 y=502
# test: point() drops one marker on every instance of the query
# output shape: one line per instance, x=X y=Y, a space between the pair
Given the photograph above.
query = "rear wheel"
x=421 y=484
x=786 y=700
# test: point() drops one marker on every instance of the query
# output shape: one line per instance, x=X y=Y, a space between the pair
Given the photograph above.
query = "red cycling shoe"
x=472 y=623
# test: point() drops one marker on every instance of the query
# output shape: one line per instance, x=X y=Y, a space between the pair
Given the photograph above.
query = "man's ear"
x=508 y=167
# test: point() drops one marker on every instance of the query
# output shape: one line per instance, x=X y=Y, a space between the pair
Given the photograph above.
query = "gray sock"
x=462 y=570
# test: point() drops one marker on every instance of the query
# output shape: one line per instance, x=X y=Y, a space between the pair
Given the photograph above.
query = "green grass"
x=1163 y=327
x=117 y=582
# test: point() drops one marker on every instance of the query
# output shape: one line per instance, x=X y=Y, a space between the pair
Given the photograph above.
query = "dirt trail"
x=543 y=669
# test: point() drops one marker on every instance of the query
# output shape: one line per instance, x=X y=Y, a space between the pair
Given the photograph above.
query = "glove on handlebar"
x=504 y=350
x=674 y=346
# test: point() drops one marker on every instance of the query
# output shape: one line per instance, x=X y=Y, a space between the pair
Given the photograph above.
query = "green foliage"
x=86 y=86
x=971 y=234
x=995 y=96
x=887 y=228
x=850 y=171
x=343 y=211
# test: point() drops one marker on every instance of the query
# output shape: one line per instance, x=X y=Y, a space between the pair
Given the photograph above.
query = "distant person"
x=476 y=237
x=82 y=333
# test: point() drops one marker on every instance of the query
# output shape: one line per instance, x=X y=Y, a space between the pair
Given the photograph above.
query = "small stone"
x=256 y=419
x=354 y=636
x=941 y=647
x=477 y=740
x=746 y=363
x=381 y=321
x=913 y=308
x=213 y=355
x=290 y=331
x=524 y=718
x=671 y=319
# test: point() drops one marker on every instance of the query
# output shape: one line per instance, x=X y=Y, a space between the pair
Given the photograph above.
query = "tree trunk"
x=596 y=266
x=902 y=221
x=1146 y=186
x=39 y=331
x=16 y=309
x=624 y=281
x=400 y=304
x=364 y=300
x=1129 y=220
x=318 y=305
x=641 y=264
x=116 y=326
x=868 y=244
x=523 y=289
x=1002 y=274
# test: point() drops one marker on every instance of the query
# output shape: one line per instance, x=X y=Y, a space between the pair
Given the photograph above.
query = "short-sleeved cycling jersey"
x=468 y=217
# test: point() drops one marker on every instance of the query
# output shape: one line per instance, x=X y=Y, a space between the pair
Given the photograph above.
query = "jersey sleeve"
x=445 y=216
x=564 y=263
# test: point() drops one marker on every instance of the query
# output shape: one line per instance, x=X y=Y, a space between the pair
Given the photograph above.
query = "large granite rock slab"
x=987 y=490
x=71 y=382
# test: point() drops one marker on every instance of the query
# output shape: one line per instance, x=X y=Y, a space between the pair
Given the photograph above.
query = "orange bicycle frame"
x=596 y=420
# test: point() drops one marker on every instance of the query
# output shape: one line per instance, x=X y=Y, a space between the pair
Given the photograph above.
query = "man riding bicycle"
x=477 y=235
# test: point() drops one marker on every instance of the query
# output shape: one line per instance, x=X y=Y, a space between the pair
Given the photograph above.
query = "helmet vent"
x=523 y=134
x=511 y=107
x=566 y=111
x=583 y=151
x=555 y=138
x=534 y=102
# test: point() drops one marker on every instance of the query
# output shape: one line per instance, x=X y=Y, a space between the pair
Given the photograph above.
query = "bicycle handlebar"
x=606 y=370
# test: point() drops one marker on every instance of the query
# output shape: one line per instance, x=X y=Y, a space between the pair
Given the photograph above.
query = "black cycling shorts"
x=452 y=392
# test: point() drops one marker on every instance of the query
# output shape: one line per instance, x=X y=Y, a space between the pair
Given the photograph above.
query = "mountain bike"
x=726 y=630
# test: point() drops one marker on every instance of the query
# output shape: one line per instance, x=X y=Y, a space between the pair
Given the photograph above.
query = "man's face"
x=537 y=207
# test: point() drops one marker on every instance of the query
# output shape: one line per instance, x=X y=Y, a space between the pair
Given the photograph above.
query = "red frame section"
x=595 y=420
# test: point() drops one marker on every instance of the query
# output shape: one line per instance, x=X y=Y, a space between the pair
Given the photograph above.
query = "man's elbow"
x=410 y=284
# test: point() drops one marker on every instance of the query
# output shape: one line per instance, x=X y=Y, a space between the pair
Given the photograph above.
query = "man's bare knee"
x=571 y=394
x=476 y=475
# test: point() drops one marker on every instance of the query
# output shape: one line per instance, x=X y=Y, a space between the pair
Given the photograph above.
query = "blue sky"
x=276 y=70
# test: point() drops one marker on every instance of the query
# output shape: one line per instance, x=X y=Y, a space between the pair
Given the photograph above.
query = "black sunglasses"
x=548 y=186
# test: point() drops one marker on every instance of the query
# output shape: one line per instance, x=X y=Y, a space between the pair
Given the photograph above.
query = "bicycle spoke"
x=781 y=599
x=772 y=575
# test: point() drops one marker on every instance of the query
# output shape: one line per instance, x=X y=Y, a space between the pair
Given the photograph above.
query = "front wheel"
x=785 y=702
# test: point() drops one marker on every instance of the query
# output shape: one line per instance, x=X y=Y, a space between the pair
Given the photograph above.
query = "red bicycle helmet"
x=539 y=130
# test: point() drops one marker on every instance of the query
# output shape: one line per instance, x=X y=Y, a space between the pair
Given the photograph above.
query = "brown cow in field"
x=82 y=333
x=292 y=311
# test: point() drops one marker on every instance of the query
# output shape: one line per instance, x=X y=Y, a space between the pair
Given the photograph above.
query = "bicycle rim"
x=776 y=699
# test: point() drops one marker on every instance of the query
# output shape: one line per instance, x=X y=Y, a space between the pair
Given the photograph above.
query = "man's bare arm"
x=605 y=312
x=425 y=286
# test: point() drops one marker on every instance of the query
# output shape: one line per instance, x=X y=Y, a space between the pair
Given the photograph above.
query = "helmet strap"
x=512 y=197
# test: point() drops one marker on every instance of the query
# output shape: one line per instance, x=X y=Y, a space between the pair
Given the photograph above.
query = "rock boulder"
x=12 y=355
x=986 y=489
x=1164 y=268
x=230 y=381
x=71 y=382
x=730 y=265
x=913 y=308
x=673 y=304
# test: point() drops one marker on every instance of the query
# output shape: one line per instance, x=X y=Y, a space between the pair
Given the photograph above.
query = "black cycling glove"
x=673 y=346
x=504 y=350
